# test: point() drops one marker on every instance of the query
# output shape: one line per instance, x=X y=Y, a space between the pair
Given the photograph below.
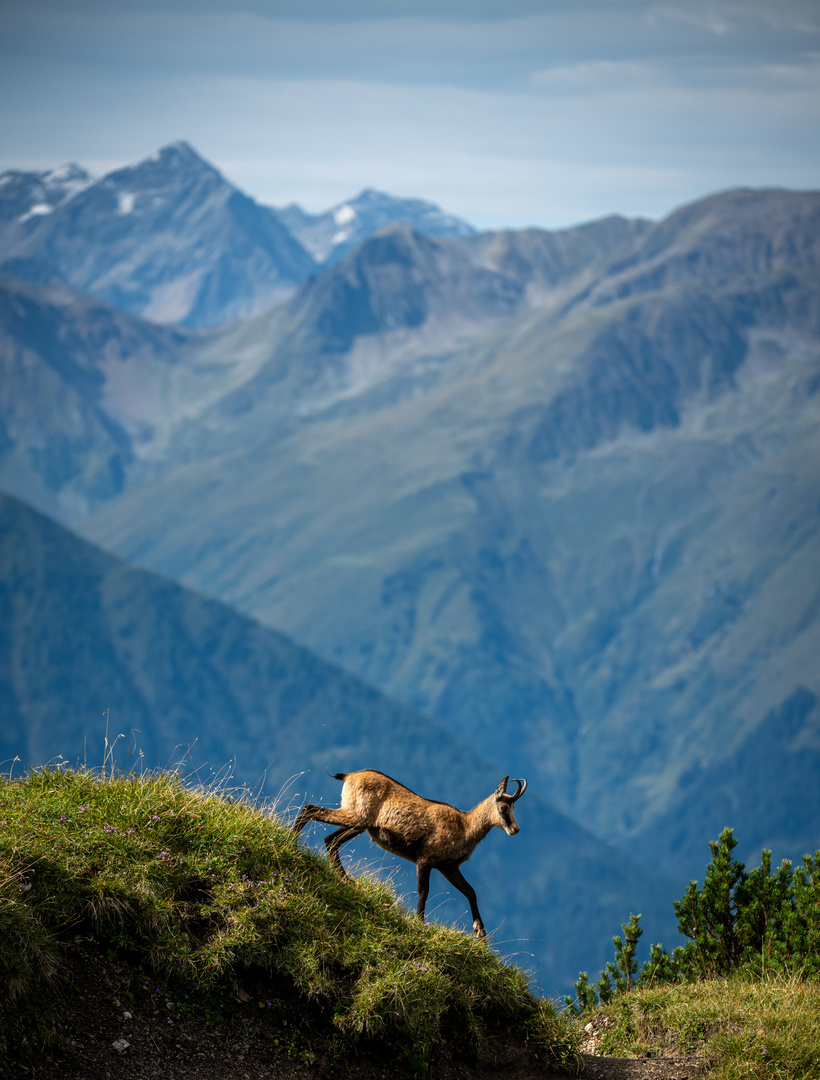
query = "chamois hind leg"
x=335 y=841
x=328 y=815
x=460 y=882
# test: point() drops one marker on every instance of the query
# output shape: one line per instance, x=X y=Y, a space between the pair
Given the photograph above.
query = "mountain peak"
x=171 y=167
x=167 y=237
x=329 y=236
x=70 y=176
x=175 y=158
x=179 y=152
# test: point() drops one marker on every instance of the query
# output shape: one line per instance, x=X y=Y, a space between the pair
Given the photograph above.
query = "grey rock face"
x=81 y=394
x=397 y=280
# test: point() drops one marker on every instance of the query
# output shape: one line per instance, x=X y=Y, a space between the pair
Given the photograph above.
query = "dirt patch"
x=612 y=1068
x=669 y=1063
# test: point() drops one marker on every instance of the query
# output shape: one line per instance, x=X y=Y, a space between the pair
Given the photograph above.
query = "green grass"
x=201 y=889
x=744 y=1026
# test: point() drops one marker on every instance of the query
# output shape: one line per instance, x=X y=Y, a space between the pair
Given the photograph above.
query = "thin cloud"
x=514 y=113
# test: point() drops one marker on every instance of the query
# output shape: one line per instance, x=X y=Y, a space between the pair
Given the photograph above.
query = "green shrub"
x=759 y=921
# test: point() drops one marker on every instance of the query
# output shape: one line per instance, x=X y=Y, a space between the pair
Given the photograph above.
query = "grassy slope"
x=202 y=890
x=744 y=1027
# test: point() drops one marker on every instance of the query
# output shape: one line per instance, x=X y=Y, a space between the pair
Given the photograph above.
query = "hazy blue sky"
x=513 y=112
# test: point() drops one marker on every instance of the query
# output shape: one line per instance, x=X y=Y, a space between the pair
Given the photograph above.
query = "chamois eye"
x=504 y=808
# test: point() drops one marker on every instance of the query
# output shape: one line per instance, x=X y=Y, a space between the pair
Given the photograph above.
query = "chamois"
x=433 y=835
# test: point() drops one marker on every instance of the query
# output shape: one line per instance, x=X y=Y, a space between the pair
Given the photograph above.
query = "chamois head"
x=505 y=818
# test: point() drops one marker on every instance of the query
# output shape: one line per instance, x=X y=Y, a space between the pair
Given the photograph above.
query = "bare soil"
x=111 y=1022
x=612 y=1068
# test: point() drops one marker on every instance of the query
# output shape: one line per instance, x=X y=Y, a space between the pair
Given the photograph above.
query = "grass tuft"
x=204 y=889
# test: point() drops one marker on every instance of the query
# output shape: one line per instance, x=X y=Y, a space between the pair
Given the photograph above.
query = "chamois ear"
x=502 y=787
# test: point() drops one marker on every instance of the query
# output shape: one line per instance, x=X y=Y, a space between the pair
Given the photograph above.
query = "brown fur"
x=433 y=835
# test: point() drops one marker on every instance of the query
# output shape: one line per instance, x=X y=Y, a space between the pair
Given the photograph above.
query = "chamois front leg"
x=306 y=814
x=345 y=819
x=328 y=815
x=423 y=879
x=460 y=882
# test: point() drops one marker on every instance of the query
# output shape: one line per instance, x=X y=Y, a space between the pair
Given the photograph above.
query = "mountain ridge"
x=743 y=230
x=430 y=537
x=171 y=240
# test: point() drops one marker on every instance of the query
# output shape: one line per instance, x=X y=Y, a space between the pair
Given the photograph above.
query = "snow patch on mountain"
x=344 y=214
x=36 y=211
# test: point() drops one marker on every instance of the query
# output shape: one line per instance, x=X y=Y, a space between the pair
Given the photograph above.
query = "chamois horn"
x=522 y=787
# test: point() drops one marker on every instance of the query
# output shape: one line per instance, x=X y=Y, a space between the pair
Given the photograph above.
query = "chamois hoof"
x=479 y=931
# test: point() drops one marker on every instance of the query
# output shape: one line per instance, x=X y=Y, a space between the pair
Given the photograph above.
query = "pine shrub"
x=758 y=921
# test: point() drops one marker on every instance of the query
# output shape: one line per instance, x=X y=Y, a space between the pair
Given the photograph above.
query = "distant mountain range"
x=329 y=236
x=171 y=240
x=95 y=649
x=556 y=490
x=92 y=395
